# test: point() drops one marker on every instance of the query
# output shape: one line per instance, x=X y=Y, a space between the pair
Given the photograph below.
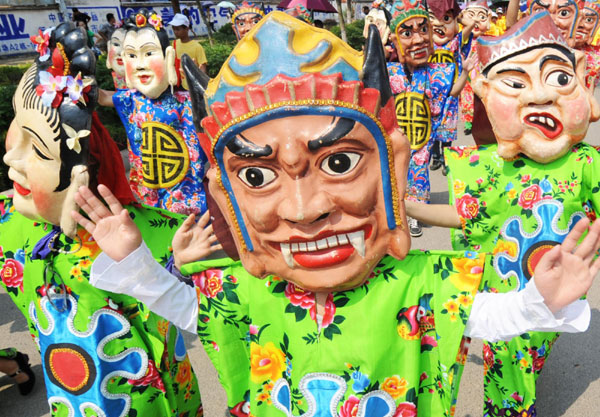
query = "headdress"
x=440 y=7
x=533 y=31
x=284 y=67
x=300 y=12
x=407 y=9
x=246 y=7
x=476 y=4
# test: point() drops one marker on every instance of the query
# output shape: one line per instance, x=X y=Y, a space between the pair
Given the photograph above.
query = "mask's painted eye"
x=559 y=78
x=256 y=177
x=447 y=19
x=513 y=83
x=340 y=163
x=564 y=13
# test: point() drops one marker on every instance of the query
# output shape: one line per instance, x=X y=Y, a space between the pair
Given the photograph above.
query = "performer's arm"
x=468 y=64
x=105 y=98
x=140 y=276
x=512 y=13
x=442 y=215
x=550 y=301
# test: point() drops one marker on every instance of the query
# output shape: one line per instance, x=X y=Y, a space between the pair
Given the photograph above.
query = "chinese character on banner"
x=166 y=14
x=94 y=17
x=52 y=17
x=11 y=29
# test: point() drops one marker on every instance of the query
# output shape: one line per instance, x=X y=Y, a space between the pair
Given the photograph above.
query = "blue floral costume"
x=420 y=102
x=167 y=162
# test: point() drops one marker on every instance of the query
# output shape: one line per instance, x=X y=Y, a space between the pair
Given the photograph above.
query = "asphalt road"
x=569 y=384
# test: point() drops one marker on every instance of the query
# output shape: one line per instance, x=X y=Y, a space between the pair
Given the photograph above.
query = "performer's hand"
x=470 y=61
x=112 y=228
x=194 y=241
x=567 y=271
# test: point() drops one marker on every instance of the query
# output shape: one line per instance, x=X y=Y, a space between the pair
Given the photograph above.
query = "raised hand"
x=112 y=228
x=194 y=241
x=567 y=272
x=470 y=61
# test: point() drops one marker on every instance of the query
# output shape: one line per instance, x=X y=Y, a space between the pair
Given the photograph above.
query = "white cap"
x=180 y=20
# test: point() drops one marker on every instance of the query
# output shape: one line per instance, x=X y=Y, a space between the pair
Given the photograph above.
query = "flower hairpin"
x=74 y=137
x=53 y=88
x=41 y=41
x=77 y=87
x=49 y=87
x=156 y=21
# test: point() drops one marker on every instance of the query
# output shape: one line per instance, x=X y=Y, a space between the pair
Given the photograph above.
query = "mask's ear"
x=171 y=70
x=79 y=177
x=399 y=244
x=394 y=39
x=580 y=72
x=127 y=80
x=480 y=87
x=108 y=62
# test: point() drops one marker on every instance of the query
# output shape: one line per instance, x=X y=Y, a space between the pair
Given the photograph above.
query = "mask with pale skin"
x=481 y=16
x=310 y=193
x=444 y=30
x=413 y=41
x=537 y=103
x=244 y=23
x=114 y=60
x=563 y=12
x=147 y=69
x=377 y=17
x=34 y=159
x=585 y=28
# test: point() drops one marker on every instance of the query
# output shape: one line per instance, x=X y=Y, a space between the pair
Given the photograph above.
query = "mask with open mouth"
x=533 y=90
x=294 y=156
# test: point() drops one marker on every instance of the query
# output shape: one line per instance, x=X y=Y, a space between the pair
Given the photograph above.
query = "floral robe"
x=392 y=345
x=430 y=87
x=101 y=352
x=456 y=48
x=167 y=162
x=518 y=210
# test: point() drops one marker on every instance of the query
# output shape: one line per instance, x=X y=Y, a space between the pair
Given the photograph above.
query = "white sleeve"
x=504 y=316
x=140 y=276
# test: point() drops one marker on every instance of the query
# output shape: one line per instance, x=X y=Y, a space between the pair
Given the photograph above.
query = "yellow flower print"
x=395 y=386
x=184 y=373
x=465 y=300
x=76 y=271
x=510 y=248
x=266 y=362
x=451 y=306
x=459 y=187
x=163 y=327
x=85 y=263
x=264 y=397
x=512 y=194
x=453 y=317
x=469 y=273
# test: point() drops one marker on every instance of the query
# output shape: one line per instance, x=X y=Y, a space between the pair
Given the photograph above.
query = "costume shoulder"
x=502 y=200
x=157 y=227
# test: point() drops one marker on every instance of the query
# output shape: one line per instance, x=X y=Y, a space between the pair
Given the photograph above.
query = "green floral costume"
x=103 y=354
x=391 y=345
x=518 y=210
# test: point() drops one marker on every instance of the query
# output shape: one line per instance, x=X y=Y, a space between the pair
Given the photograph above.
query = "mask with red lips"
x=533 y=90
x=47 y=144
x=308 y=169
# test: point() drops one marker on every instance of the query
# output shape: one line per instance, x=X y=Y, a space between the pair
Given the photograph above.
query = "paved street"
x=569 y=385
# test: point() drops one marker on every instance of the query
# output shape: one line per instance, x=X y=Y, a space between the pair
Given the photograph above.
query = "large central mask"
x=307 y=162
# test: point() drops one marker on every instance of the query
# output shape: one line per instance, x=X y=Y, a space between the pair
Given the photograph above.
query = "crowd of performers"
x=301 y=160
